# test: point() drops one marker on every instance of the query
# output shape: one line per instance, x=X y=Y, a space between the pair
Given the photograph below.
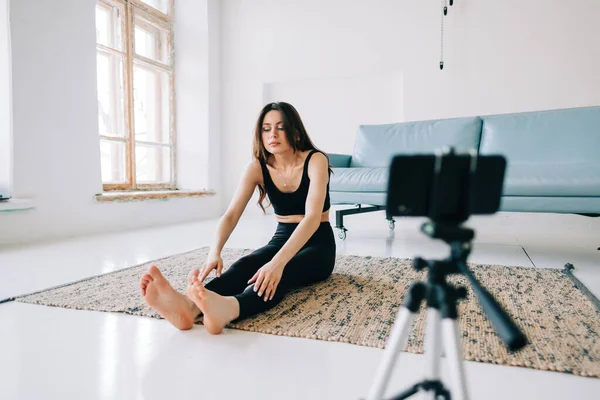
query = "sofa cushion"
x=359 y=179
x=552 y=179
x=376 y=144
x=546 y=137
x=548 y=153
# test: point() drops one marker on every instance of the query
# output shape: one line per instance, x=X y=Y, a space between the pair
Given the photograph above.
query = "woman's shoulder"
x=254 y=169
x=305 y=153
x=316 y=155
x=318 y=161
x=254 y=164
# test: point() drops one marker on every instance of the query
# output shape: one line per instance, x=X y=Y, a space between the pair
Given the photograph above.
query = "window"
x=134 y=43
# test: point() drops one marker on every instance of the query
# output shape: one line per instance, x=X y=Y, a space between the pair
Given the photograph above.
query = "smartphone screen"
x=446 y=188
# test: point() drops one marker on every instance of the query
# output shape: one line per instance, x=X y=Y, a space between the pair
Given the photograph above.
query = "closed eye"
x=268 y=128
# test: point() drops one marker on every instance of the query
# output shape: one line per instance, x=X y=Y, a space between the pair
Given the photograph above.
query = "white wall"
x=325 y=104
x=56 y=145
x=500 y=56
x=5 y=112
x=197 y=87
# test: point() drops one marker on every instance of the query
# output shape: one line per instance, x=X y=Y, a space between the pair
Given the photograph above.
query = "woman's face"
x=273 y=135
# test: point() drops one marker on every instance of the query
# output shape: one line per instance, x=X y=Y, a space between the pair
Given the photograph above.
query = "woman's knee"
x=253 y=260
x=243 y=263
x=326 y=267
x=311 y=273
x=326 y=272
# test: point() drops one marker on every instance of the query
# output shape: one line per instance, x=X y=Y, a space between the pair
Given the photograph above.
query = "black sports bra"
x=292 y=203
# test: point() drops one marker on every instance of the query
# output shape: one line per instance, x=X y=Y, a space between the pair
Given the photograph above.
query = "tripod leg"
x=397 y=340
x=452 y=346
x=433 y=346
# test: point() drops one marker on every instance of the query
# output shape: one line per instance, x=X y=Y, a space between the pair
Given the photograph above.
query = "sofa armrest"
x=339 y=160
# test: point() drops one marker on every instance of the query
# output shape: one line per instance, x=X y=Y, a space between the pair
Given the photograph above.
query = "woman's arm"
x=251 y=178
x=229 y=220
x=318 y=172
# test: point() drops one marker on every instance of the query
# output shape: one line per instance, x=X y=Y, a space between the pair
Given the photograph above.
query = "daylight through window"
x=134 y=42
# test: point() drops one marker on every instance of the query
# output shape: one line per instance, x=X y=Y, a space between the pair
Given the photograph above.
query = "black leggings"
x=313 y=263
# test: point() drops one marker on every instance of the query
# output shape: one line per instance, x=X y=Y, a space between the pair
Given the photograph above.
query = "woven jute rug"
x=359 y=302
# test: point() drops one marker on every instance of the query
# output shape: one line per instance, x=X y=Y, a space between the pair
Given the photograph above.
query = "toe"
x=201 y=290
x=193 y=277
x=191 y=291
x=147 y=278
x=155 y=273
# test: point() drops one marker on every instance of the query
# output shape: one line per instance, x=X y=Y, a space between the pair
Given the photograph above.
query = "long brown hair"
x=294 y=131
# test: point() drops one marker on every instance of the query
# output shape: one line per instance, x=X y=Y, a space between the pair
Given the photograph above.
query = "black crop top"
x=292 y=203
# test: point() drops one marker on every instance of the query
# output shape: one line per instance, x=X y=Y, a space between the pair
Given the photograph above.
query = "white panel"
x=191 y=91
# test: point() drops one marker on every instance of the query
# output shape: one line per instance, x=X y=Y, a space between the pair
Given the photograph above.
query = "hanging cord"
x=445 y=11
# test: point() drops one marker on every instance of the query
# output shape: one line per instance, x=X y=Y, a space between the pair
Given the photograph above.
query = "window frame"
x=138 y=10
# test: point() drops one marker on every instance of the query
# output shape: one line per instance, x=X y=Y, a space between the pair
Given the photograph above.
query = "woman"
x=295 y=175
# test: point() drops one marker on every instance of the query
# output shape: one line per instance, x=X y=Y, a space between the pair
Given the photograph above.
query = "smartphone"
x=446 y=187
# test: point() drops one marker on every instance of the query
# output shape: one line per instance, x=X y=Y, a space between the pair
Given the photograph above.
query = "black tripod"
x=442 y=327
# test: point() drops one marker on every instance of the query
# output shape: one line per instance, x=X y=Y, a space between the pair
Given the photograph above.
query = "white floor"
x=53 y=353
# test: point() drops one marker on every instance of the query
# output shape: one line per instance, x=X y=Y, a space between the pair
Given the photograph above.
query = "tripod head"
x=459 y=240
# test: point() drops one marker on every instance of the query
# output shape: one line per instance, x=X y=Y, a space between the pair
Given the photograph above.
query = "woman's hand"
x=213 y=261
x=266 y=279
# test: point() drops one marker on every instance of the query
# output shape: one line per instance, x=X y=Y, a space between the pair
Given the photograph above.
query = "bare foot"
x=170 y=304
x=218 y=310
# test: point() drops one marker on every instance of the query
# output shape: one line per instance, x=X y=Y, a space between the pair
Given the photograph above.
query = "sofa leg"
x=391 y=223
x=339 y=224
x=339 y=217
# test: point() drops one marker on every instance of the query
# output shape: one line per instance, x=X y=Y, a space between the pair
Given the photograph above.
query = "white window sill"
x=108 y=197
x=16 y=205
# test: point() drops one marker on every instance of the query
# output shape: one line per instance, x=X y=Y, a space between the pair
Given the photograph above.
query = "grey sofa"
x=553 y=159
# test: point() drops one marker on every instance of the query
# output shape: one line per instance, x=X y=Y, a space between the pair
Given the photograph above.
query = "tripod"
x=442 y=327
